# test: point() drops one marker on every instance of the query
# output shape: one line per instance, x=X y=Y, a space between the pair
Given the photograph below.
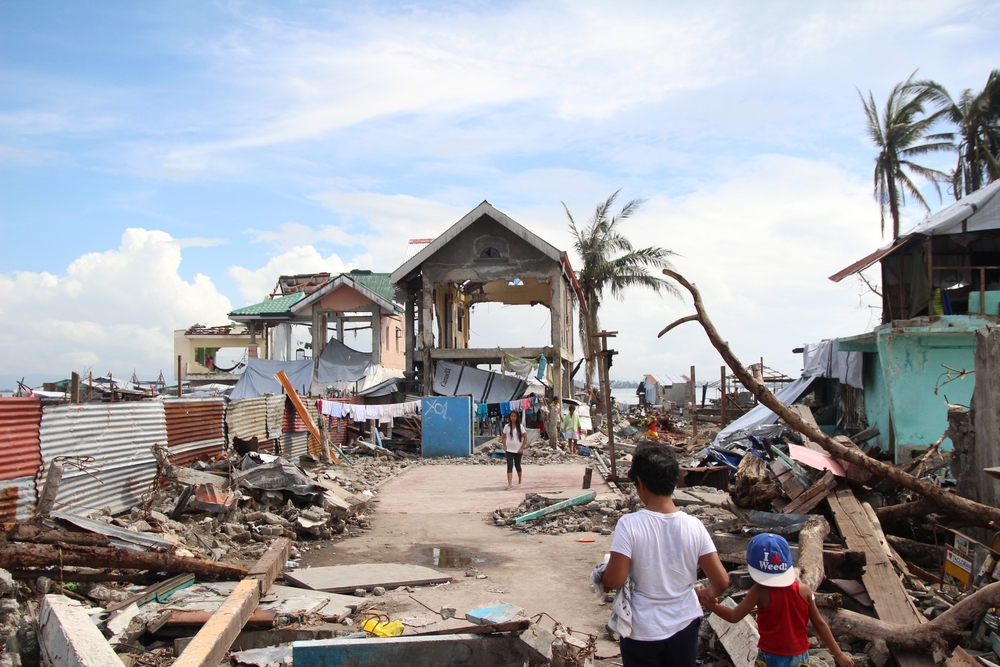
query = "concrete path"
x=462 y=489
x=451 y=506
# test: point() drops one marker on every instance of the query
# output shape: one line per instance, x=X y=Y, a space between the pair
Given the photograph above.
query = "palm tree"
x=610 y=262
x=978 y=121
x=902 y=133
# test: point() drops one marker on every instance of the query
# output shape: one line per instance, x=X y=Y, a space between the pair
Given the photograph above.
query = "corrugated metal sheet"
x=17 y=498
x=275 y=415
x=119 y=438
x=293 y=422
x=194 y=420
x=294 y=445
x=247 y=418
x=20 y=455
x=185 y=455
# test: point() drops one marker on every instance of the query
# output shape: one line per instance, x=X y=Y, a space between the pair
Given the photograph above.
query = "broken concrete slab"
x=348 y=578
x=413 y=651
x=739 y=639
x=271 y=656
x=68 y=638
x=493 y=613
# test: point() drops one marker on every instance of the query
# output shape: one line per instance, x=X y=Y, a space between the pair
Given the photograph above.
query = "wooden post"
x=603 y=356
x=179 y=379
x=694 y=406
x=722 y=399
x=74 y=388
x=588 y=474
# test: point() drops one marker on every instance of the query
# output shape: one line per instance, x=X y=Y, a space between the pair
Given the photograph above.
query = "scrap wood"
x=976 y=513
x=484 y=629
x=300 y=408
x=210 y=645
x=155 y=592
x=940 y=635
x=23 y=532
x=21 y=556
x=812 y=496
x=892 y=603
x=810 y=563
x=545 y=511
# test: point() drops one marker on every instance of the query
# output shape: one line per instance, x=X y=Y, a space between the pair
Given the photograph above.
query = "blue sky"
x=162 y=163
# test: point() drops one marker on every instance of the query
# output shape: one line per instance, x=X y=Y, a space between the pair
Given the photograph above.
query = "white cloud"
x=760 y=247
x=115 y=310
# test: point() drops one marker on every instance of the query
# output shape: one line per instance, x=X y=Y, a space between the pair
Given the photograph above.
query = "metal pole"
x=694 y=406
x=74 y=388
x=179 y=390
x=722 y=399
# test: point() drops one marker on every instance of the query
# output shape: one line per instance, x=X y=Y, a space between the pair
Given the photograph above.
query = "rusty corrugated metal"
x=294 y=445
x=17 y=499
x=247 y=419
x=293 y=422
x=194 y=420
x=186 y=455
x=20 y=455
x=119 y=438
x=275 y=415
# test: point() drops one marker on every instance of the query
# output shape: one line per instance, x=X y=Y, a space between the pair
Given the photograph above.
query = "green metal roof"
x=376 y=282
x=279 y=306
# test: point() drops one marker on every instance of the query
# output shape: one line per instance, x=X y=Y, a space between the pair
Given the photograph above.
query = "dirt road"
x=449 y=508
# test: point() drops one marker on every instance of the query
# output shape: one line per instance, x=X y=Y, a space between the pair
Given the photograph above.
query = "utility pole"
x=694 y=406
x=722 y=399
x=605 y=355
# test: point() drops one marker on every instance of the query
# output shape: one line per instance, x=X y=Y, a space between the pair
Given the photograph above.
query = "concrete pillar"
x=408 y=330
x=68 y=638
x=376 y=334
x=426 y=343
x=340 y=328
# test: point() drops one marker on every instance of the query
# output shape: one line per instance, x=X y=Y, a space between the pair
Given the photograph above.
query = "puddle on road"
x=452 y=557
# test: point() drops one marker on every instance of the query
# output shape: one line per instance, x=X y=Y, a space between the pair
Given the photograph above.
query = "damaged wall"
x=978 y=430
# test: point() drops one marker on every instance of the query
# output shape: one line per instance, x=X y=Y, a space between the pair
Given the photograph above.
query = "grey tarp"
x=258 y=378
x=485 y=387
x=340 y=363
x=762 y=414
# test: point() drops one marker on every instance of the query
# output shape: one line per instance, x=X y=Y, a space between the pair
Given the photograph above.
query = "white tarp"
x=825 y=360
x=485 y=387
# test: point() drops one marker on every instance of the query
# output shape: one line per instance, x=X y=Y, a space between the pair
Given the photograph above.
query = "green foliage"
x=977 y=117
x=610 y=263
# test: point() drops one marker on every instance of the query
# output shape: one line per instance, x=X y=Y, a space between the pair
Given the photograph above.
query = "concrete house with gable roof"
x=331 y=306
x=484 y=257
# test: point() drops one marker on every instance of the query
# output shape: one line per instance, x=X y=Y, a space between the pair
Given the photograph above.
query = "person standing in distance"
x=514 y=440
x=571 y=428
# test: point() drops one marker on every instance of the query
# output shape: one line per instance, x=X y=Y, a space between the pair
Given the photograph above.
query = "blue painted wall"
x=876 y=401
x=913 y=363
x=447 y=426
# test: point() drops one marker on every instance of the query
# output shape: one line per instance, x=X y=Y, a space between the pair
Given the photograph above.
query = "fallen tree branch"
x=940 y=635
x=956 y=505
x=23 y=532
x=20 y=556
x=811 y=571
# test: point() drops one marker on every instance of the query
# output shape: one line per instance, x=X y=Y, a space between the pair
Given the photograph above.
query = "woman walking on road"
x=514 y=440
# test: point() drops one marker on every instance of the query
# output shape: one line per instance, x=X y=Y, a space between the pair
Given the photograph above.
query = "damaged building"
x=484 y=257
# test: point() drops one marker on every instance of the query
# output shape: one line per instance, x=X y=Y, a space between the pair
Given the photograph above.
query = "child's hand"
x=843 y=659
x=704 y=599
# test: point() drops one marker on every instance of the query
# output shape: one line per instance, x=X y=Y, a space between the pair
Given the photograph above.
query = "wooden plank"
x=300 y=408
x=210 y=645
x=892 y=602
x=812 y=496
x=270 y=565
x=806 y=414
x=739 y=639
x=348 y=578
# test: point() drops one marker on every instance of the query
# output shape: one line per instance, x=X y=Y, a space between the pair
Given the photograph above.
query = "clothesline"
x=360 y=413
x=484 y=410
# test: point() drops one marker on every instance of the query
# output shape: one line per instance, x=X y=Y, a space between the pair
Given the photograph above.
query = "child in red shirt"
x=784 y=607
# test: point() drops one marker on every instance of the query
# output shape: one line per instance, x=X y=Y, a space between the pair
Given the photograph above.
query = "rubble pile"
x=599 y=516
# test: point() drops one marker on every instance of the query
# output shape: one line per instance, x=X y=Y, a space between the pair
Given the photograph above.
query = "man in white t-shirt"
x=661 y=549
